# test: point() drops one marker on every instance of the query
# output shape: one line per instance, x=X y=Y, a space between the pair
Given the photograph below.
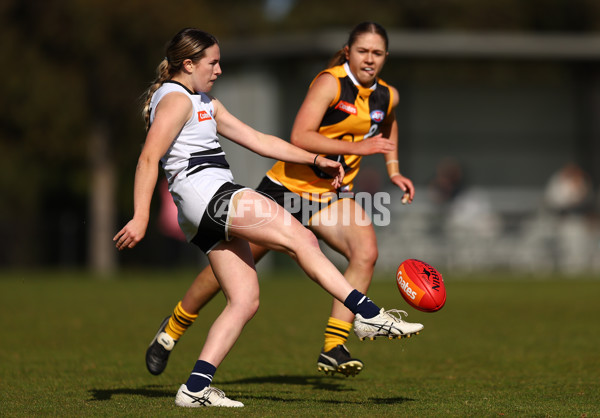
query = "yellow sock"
x=179 y=322
x=336 y=333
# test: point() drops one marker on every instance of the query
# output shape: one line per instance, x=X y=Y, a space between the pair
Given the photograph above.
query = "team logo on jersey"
x=377 y=116
x=203 y=115
x=346 y=107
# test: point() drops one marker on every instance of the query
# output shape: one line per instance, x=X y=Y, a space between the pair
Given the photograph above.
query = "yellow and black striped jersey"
x=356 y=113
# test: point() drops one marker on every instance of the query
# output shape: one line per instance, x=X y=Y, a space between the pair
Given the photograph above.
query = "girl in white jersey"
x=220 y=216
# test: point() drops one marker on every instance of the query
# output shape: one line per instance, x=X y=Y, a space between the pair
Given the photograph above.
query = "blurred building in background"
x=498 y=119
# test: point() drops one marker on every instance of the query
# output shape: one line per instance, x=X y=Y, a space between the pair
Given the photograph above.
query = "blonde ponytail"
x=162 y=75
x=188 y=43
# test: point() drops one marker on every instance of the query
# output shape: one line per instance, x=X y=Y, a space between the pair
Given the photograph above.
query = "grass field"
x=74 y=346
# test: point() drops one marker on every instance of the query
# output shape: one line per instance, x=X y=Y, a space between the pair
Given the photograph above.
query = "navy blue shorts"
x=214 y=225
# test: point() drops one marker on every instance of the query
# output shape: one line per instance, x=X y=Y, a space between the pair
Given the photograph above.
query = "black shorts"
x=213 y=226
x=302 y=209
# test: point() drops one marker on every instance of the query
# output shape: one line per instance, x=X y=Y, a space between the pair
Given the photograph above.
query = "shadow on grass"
x=317 y=382
x=390 y=401
x=325 y=383
x=147 y=391
x=378 y=401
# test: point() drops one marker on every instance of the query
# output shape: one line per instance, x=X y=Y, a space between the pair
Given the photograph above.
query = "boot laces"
x=217 y=391
x=396 y=314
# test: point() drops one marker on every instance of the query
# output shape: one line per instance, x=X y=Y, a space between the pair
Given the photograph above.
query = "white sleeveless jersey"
x=197 y=145
x=194 y=164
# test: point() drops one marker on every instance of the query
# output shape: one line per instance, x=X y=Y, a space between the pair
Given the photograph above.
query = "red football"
x=421 y=285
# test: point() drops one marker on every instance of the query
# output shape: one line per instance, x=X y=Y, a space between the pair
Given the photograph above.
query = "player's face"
x=366 y=57
x=207 y=69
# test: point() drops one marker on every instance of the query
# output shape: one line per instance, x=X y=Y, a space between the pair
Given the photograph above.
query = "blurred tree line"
x=74 y=71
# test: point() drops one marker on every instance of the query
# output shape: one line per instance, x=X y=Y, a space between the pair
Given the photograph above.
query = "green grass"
x=74 y=345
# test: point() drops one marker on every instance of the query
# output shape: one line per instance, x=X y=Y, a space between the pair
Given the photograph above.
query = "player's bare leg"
x=206 y=286
x=234 y=268
x=351 y=235
x=202 y=290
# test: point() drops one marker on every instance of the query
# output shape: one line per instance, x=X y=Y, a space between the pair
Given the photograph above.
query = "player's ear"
x=187 y=65
x=347 y=52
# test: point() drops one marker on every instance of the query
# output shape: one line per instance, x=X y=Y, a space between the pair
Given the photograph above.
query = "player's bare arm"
x=171 y=114
x=306 y=126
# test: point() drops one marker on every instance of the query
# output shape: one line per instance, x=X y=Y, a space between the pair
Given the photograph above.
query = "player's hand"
x=406 y=185
x=131 y=234
x=374 y=145
x=333 y=168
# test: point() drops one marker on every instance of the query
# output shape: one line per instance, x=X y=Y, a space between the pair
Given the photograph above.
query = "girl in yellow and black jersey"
x=355 y=113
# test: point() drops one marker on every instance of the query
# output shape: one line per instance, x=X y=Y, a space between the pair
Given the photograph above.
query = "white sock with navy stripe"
x=201 y=376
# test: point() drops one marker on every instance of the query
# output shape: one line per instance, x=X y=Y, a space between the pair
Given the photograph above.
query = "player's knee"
x=301 y=241
x=253 y=308
x=371 y=253
x=247 y=307
x=365 y=256
x=253 y=303
x=307 y=238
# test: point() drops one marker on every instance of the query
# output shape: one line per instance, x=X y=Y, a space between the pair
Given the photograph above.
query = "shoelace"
x=218 y=391
x=396 y=314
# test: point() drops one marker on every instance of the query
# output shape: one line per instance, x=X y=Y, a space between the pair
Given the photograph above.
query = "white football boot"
x=386 y=324
x=209 y=396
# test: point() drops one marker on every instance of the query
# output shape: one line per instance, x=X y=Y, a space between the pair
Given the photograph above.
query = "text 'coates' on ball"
x=421 y=285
